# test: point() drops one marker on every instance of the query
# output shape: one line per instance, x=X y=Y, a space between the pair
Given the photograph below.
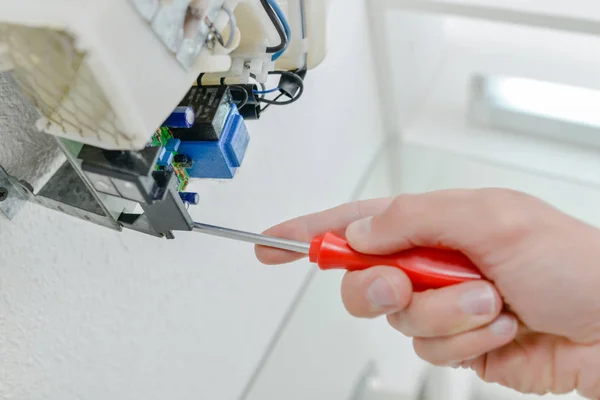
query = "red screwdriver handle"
x=427 y=268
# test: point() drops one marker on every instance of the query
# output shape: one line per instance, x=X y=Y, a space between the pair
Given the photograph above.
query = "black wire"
x=199 y=79
x=269 y=105
x=263 y=87
x=239 y=88
x=278 y=26
x=246 y=95
x=292 y=75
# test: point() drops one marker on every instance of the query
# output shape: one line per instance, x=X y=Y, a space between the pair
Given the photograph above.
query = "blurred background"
x=477 y=93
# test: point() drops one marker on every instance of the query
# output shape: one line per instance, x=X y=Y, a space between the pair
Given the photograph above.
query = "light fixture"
x=537 y=107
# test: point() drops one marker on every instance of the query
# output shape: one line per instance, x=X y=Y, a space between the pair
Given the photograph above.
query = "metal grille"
x=56 y=78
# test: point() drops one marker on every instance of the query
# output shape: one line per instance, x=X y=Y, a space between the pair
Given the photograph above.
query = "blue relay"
x=219 y=159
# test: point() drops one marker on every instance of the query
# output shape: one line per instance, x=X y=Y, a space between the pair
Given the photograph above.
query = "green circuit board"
x=160 y=138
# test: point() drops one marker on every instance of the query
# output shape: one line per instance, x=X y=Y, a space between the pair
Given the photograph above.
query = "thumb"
x=448 y=219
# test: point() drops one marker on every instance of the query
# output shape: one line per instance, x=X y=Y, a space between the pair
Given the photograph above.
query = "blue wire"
x=260 y=92
x=286 y=26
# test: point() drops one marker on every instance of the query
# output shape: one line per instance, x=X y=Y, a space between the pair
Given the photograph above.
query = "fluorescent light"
x=546 y=99
x=529 y=106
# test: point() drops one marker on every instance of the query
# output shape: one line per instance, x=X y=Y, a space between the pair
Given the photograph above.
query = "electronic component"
x=219 y=159
x=248 y=100
x=169 y=155
x=183 y=161
x=190 y=198
x=165 y=159
x=103 y=102
x=182 y=117
x=212 y=105
x=121 y=173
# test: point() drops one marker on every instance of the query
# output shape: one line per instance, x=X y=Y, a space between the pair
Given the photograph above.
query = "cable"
x=199 y=79
x=292 y=76
x=263 y=87
x=286 y=27
x=304 y=29
x=278 y=26
x=269 y=105
x=266 y=91
x=246 y=95
x=232 y=26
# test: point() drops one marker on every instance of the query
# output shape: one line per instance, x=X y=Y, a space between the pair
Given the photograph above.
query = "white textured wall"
x=87 y=313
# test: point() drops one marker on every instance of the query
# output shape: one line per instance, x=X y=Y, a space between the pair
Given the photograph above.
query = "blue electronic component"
x=191 y=198
x=167 y=154
x=165 y=159
x=219 y=159
x=172 y=145
x=182 y=117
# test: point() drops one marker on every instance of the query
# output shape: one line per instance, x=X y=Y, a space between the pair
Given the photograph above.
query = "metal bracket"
x=65 y=193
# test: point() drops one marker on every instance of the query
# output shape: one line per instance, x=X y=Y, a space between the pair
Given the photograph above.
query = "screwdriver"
x=427 y=268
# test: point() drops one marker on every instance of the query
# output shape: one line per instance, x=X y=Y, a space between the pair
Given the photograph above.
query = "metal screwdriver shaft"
x=427 y=268
x=263 y=240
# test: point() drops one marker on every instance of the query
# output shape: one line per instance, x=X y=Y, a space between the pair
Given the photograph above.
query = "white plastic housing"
x=101 y=76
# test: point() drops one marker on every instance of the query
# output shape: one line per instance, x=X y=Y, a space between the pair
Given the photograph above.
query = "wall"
x=442 y=117
x=87 y=313
x=325 y=353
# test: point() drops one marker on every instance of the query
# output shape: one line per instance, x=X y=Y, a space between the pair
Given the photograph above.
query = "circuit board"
x=160 y=139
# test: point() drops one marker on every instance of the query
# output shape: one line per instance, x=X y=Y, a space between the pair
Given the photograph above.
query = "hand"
x=534 y=327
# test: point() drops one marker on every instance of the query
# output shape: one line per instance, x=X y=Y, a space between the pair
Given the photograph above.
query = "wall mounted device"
x=140 y=97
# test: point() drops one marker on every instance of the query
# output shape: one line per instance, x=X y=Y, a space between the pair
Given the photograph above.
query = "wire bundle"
x=282 y=26
x=293 y=81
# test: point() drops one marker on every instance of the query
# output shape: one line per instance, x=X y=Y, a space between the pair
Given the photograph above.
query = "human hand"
x=534 y=326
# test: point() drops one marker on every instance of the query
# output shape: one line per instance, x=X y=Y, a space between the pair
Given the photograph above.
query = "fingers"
x=451 y=218
x=450 y=325
x=444 y=312
x=448 y=311
x=453 y=350
x=309 y=226
x=375 y=292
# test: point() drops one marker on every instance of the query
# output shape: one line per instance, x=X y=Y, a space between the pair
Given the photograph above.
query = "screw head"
x=3 y=193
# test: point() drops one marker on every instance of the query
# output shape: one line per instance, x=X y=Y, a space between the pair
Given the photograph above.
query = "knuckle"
x=425 y=321
x=403 y=205
x=406 y=323
x=398 y=321
x=422 y=350
x=511 y=213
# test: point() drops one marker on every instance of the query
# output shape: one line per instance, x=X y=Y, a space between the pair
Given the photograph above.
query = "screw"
x=3 y=193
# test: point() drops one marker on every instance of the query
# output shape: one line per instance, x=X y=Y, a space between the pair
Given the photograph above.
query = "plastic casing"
x=141 y=79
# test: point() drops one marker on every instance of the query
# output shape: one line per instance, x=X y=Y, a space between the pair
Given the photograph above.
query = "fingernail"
x=480 y=301
x=359 y=229
x=382 y=294
x=504 y=326
x=455 y=365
